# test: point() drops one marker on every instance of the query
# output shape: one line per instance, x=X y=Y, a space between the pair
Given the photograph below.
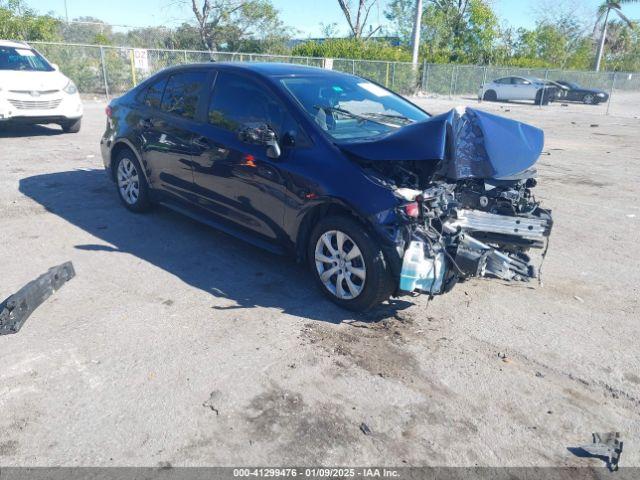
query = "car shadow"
x=19 y=131
x=237 y=275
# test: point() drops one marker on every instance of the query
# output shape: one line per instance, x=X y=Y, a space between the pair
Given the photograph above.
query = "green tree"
x=401 y=15
x=560 y=45
x=459 y=31
x=355 y=48
x=233 y=23
x=622 y=47
x=88 y=30
x=604 y=11
x=186 y=37
x=19 y=22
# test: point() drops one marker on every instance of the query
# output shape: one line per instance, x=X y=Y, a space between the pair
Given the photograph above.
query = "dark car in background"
x=575 y=93
x=377 y=196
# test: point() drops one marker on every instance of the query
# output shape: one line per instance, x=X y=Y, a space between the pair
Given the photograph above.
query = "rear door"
x=167 y=131
x=234 y=179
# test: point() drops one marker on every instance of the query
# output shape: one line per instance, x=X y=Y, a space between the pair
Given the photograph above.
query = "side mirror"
x=261 y=134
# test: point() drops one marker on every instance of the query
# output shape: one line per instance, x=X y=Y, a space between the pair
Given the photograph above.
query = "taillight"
x=108 y=111
x=412 y=209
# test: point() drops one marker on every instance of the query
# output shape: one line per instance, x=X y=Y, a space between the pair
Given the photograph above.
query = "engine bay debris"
x=464 y=181
x=15 y=310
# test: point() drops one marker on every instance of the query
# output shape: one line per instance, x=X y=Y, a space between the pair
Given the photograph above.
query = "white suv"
x=32 y=90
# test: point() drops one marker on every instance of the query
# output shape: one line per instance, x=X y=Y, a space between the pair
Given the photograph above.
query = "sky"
x=303 y=15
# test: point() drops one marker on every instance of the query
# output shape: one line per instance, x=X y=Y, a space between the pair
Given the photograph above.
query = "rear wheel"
x=131 y=183
x=490 y=96
x=348 y=264
x=72 y=126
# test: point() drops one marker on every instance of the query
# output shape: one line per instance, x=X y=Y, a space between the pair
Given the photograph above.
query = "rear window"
x=182 y=92
x=23 y=59
x=153 y=94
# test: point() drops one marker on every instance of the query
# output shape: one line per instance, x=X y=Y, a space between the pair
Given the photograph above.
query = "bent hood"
x=474 y=144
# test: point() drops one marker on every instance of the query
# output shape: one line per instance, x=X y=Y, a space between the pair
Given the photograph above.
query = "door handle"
x=146 y=123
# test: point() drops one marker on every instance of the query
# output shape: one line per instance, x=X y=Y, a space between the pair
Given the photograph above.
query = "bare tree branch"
x=361 y=15
x=346 y=9
x=372 y=32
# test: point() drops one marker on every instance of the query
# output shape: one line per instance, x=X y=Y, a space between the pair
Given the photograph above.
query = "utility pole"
x=416 y=33
x=601 y=43
x=66 y=11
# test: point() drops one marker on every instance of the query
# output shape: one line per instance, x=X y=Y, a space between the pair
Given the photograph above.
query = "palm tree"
x=603 y=14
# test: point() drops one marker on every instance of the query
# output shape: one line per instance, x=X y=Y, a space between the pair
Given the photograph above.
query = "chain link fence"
x=110 y=71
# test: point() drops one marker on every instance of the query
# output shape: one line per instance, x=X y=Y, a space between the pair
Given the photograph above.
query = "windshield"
x=350 y=108
x=23 y=59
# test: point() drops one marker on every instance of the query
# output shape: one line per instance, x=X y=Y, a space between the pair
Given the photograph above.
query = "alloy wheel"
x=588 y=98
x=128 y=181
x=340 y=264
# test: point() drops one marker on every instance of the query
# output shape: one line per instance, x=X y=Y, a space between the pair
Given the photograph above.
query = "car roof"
x=266 y=69
x=11 y=43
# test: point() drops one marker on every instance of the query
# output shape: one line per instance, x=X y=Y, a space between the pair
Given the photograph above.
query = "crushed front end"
x=464 y=183
x=455 y=231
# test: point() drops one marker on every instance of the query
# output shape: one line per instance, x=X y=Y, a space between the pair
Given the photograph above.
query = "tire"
x=127 y=171
x=72 y=126
x=366 y=277
x=540 y=100
x=490 y=96
x=589 y=99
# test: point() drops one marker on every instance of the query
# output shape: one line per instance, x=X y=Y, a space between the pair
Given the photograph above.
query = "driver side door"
x=522 y=89
x=235 y=179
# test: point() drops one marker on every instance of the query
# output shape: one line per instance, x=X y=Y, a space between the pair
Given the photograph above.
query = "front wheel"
x=72 y=126
x=589 y=99
x=348 y=264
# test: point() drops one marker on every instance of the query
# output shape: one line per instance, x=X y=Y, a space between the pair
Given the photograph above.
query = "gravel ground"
x=176 y=343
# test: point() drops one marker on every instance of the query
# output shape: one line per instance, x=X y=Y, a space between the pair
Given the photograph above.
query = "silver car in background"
x=520 y=88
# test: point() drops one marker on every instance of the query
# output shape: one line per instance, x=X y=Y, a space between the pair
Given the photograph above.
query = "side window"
x=503 y=81
x=153 y=96
x=520 y=81
x=182 y=92
x=237 y=100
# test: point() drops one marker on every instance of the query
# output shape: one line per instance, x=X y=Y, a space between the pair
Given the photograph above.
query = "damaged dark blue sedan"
x=376 y=195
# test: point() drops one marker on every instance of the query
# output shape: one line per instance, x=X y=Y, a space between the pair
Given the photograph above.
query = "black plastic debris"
x=606 y=446
x=364 y=428
x=15 y=310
